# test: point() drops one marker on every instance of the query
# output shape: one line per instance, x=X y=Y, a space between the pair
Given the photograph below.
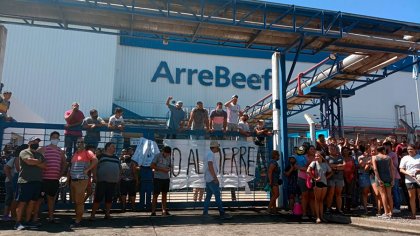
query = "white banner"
x=236 y=161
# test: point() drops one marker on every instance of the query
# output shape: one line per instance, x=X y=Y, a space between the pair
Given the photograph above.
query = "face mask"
x=54 y=141
x=34 y=146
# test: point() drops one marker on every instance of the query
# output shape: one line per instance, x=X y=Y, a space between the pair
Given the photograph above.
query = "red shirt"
x=77 y=118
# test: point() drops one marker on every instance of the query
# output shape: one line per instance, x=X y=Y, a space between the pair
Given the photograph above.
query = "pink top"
x=78 y=117
x=394 y=159
x=53 y=161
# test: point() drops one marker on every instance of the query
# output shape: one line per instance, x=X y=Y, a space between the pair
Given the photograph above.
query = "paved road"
x=190 y=222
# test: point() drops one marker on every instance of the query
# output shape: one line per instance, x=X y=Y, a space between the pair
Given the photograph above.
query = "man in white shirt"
x=233 y=112
x=212 y=182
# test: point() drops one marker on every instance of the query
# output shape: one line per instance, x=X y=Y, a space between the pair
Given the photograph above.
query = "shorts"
x=320 y=185
x=50 y=187
x=336 y=183
x=160 y=186
x=302 y=185
x=412 y=185
x=364 y=180
x=104 y=190
x=128 y=188
x=30 y=191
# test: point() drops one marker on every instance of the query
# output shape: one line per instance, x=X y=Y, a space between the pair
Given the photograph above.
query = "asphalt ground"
x=244 y=221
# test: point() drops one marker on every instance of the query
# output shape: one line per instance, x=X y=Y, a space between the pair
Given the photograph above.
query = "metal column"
x=330 y=112
x=3 y=36
x=279 y=87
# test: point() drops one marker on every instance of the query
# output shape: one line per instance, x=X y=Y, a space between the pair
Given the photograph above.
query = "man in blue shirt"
x=176 y=118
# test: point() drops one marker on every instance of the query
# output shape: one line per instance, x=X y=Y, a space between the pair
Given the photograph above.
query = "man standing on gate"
x=176 y=118
x=74 y=118
x=233 y=113
x=212 y=182
x=199 y=121
x=91 y=124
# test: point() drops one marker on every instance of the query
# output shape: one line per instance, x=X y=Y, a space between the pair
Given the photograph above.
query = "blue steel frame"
x=315 y=94
x=324 y=23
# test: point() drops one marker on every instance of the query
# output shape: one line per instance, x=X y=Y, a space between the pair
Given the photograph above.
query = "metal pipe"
x=346 y=63
x=311 y=127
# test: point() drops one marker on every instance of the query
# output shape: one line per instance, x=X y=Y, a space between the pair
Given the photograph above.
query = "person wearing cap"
x=176 y=118
x=56 y=164
x=29 y=183
x=199 y=121
x=161 y=165
x=5 y=105
x=212 y=182
x=74 y=118
x=233 y=113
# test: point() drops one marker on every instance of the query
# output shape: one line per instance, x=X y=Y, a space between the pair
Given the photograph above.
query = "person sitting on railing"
x=5 y=105
x=176 y=119
x=233 y=113
x=199 y=120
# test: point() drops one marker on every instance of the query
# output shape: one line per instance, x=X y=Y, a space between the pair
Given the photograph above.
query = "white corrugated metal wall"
x=48 y=69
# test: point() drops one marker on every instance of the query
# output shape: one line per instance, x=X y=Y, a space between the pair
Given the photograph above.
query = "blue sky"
x=403 y=10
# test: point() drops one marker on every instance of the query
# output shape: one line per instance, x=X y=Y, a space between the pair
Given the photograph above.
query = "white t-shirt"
x=210 y=156
x=244 y=127
x=233 y=113
x=411 y=165
x=115 y=122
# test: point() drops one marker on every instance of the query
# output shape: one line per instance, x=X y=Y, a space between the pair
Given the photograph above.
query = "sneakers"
x=385 y=216
x=225 y=216
x=75 y=225
x=19 y=226
x=34 y=224
x=6 y=218
x=166 y=213
x=153 y=214
x=396 y=211
x=305 y=217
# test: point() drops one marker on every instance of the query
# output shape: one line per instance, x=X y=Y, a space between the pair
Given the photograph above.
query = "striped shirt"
x=53 y=160
x=79 y=163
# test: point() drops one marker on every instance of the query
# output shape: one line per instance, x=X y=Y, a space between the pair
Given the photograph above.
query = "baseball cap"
x=301 y=150
x=179 y=103
x=7 y=92
x=351 y=141
x=235 y=96
x=214 y=143
x=33 y=138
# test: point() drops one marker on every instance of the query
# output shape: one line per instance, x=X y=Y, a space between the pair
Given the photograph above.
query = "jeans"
x=396 y=194
x=91 y=141
x=213 y=188
x=70 y=145
x=118 y=140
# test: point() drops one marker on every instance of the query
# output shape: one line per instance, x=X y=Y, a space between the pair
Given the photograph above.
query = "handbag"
x=310 y=183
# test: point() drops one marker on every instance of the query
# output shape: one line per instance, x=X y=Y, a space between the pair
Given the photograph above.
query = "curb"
x=386 y=225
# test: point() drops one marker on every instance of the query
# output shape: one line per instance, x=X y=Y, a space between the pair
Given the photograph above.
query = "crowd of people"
x=317 y=177
x=325 y=174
